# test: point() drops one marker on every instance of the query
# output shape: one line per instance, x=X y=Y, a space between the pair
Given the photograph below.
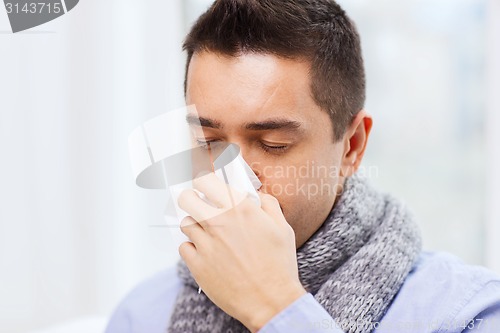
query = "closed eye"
x=275 y=149
x=201 y=143
x=266 y=147
x=205 y=143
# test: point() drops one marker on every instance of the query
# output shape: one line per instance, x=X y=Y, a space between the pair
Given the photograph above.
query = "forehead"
x=249 y=87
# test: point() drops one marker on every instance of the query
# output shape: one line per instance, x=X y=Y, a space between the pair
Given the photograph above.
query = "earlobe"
x=354 y=159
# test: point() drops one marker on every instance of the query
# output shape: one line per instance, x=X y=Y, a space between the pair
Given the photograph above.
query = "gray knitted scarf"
x=353 y=265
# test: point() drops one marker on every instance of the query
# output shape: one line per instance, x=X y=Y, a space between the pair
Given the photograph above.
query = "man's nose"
x=249 y=156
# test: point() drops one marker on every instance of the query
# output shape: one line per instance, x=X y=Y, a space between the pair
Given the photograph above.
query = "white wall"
x=74 y=229
x=492 y=234
x=426 y=72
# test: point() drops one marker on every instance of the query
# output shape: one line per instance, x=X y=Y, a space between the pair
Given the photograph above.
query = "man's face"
x=263 y=104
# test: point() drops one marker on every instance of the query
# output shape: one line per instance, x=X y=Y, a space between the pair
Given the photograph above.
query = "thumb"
x=271 y=206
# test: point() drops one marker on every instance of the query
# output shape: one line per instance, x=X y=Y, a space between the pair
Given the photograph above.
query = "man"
x=325 y=252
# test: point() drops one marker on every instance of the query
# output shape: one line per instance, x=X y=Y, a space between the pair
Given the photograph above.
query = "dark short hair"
x=316 y=30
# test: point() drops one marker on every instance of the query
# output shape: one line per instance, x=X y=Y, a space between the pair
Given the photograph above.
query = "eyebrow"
x=204 y=122
x=270 y=124
x=273 y=124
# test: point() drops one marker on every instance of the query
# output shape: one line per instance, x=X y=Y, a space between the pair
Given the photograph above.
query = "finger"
x=193 y=230
x=188 y=253
x=217 y=192
x=213 y=188
x=271 y=206
x=201 y=211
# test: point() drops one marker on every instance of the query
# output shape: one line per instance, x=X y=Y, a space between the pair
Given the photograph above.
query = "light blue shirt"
x=440 y=294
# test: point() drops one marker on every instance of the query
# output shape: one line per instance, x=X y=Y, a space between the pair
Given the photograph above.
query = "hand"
x=241 y=255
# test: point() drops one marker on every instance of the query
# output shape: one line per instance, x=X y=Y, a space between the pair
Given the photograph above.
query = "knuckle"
x=246 y=205
x=186 y=222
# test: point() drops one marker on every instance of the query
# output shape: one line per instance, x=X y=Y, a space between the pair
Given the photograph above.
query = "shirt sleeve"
x=303 y=315
x=488 y=319
x=119 y=322
x=147 y=308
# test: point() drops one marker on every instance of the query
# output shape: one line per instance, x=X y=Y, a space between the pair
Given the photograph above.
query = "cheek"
x=302 y=187
x=304 y=182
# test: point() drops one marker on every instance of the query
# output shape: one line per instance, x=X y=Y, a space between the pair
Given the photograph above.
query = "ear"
x=355 y=141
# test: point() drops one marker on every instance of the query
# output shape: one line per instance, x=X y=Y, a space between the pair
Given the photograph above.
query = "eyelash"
x=268 y=149
x=273 y=149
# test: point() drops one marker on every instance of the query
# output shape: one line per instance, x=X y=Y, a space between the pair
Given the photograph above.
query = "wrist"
x=274 y=303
